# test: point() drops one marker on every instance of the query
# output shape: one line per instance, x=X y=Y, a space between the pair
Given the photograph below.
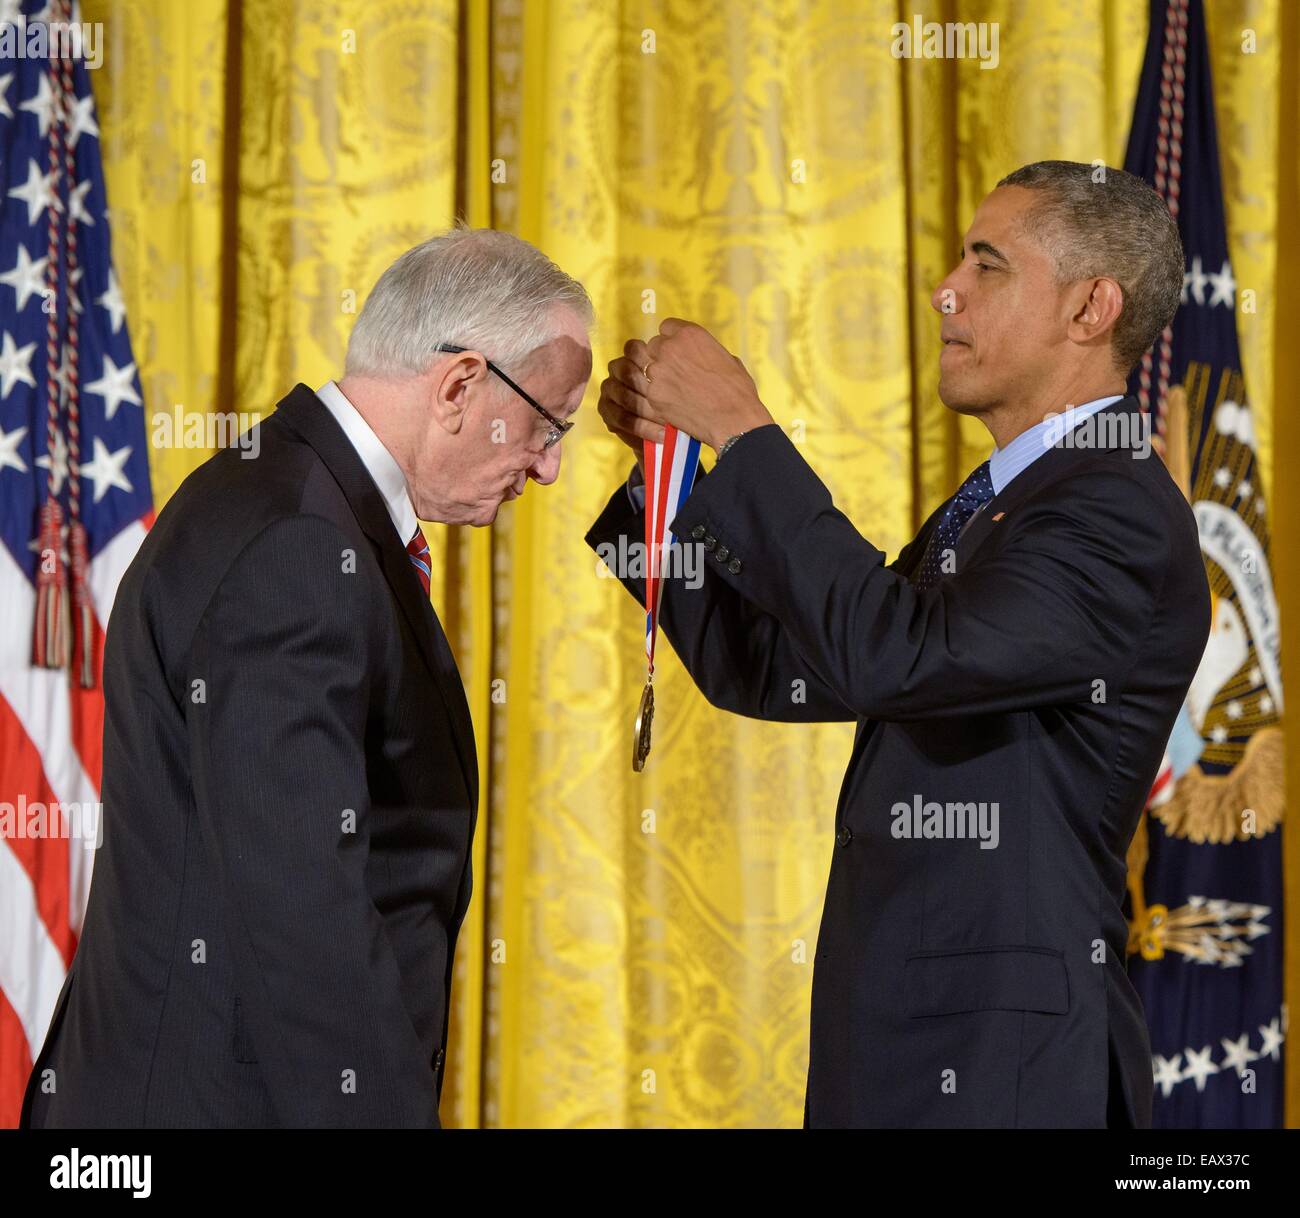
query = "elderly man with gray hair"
x=290 y=780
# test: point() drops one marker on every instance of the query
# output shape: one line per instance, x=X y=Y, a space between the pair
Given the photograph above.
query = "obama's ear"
x=1096 y=313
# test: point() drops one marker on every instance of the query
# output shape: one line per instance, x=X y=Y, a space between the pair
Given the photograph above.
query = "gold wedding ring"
x=645 y=372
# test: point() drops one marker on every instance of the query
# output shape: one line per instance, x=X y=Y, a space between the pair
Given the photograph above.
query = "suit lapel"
x=1052 y=465
x=909 y=560
x=434 y=647
x=308 y=416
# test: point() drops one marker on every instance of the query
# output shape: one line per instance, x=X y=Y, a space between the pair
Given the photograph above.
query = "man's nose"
x=546 y=467
x=946 y=298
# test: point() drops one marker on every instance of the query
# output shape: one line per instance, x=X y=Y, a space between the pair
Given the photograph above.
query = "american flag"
x=75 y=503
x=1205 y=882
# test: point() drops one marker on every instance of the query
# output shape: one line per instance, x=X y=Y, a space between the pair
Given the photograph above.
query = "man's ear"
x=450 y=388
x=1096 y=310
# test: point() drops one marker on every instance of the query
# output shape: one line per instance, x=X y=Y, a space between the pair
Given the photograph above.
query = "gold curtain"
x=638 y=951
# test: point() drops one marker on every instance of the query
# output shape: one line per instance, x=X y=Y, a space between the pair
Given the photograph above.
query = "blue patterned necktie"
x=972 y=495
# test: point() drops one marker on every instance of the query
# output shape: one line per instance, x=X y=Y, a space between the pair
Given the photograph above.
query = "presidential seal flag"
x=1205 y=868
x=75 y=502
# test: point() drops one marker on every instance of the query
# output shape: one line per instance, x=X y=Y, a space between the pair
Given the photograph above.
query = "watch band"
x=728 y=442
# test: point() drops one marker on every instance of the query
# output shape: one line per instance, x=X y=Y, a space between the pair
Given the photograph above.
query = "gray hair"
x=476 y=288
x=1117 y=227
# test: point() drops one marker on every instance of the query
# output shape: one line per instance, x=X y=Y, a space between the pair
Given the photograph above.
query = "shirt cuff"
x=636 y=489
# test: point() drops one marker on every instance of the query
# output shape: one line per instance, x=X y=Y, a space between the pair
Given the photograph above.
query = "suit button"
x=844 y=836
x=722 y=553
x=734 y=566
x=697 y=532
x=710 y=542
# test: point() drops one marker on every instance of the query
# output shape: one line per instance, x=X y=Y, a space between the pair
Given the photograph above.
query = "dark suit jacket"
x=289 y=795
x=955 y=985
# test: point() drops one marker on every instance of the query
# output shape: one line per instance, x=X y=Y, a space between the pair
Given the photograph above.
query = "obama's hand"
x=685 y=377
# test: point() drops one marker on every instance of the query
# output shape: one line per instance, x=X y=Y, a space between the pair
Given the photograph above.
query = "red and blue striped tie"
x=417 y=549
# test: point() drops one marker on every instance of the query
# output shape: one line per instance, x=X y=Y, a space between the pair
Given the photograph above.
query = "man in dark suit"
x=1014 y=674
x=290 y=780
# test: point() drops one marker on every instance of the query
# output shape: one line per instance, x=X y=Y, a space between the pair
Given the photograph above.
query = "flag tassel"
x=50 y=646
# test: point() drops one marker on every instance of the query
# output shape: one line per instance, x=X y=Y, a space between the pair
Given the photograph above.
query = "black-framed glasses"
x=558 y=426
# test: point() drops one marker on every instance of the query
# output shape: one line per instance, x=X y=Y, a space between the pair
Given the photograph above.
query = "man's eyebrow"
x=985 y=250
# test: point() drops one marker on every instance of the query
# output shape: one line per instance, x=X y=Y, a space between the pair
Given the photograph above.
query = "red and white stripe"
x=670 y=469
x=51 y=751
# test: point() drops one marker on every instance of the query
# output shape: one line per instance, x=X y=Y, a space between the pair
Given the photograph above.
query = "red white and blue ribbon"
x=670 y=470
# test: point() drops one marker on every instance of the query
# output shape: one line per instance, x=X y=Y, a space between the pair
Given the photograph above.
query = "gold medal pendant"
x=641 y=729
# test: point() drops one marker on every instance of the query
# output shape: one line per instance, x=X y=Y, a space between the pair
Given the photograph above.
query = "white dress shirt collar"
x=1029 y=445
x=379 y=462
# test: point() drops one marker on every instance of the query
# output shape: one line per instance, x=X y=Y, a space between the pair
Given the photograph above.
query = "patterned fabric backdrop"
x=767 y=168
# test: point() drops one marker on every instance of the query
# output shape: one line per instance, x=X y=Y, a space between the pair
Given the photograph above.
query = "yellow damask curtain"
x=638 y=951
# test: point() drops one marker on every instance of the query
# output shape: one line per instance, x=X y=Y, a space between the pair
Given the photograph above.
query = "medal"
x=645 y=714
x=670 y=470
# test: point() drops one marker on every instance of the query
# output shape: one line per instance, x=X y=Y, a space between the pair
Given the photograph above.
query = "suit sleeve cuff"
x=751 y=512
